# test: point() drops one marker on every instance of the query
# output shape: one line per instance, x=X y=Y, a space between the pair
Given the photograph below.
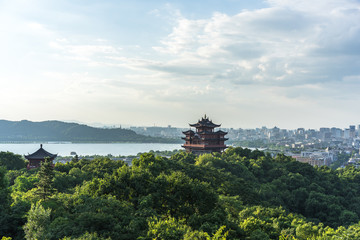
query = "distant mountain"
x=27 y=131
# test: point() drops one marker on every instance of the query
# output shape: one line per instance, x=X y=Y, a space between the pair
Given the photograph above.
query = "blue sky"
x=244 y=63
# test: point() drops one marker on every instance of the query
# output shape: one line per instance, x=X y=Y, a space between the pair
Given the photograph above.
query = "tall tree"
x=5 y=202
x=46 y=178
x=38 y=220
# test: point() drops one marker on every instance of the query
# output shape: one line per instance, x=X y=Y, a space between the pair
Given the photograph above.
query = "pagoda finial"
x=205 y=116
x=40 y=145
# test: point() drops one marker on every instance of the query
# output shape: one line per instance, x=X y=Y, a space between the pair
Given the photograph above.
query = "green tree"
x=5 y=202
x=167 y=229
x=182 y=196
x=87 y=236
x=46 y=178
x=38 y=220
x=18 y=218
x=12 y=161
x=24 y=183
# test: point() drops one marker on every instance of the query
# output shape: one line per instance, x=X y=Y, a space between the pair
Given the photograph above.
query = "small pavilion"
x=39 y=156
x=204 y=139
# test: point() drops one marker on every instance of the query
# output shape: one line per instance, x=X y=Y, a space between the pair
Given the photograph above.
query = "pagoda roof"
x=189 y=131
x=40 y=154
x=212 y=133
x=205 y=122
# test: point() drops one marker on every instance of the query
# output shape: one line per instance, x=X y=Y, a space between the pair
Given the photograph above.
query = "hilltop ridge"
x=53 y=130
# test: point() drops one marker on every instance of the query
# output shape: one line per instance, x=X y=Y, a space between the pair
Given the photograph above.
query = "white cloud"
x=94 y=53
x=286 y=44
x=288 y=55
x=291 y=55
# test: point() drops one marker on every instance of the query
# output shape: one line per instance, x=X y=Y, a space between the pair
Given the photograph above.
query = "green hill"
x=27 y=131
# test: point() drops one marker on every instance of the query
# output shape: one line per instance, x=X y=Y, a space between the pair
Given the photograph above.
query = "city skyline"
x=186 y=126
x=246 y=64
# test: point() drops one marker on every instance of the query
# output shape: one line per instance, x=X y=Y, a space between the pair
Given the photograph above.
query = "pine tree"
x=46 y=178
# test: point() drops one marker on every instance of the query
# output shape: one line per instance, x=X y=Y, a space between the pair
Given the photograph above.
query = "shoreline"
x=83 y=149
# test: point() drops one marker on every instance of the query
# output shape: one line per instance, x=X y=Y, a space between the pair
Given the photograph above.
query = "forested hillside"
x=72 y=132
x=240 y=194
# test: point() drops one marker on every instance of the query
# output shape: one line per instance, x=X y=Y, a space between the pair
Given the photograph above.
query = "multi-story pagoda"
x=39 y=156
x=204 y=139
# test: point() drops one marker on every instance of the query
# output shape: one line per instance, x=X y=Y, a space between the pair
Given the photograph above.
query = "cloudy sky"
x=248 y=64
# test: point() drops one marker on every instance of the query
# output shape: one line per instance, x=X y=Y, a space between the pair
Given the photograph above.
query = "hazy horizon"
x=127 y=126
x=246 y=64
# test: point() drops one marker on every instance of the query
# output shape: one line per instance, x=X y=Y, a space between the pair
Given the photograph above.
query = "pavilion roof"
x=189 y=132
x=40 y=154
x=205 y=122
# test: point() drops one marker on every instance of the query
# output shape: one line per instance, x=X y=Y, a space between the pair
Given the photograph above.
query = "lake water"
x=83 y=149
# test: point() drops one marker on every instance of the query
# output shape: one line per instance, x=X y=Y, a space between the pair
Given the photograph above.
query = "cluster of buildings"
x=300 y=137
x=167 y=132
x=316 y=158
x=316 y=147
x=295 y=139
x=354 y=160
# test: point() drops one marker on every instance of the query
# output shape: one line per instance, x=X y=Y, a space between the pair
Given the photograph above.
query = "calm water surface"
x=83 y=149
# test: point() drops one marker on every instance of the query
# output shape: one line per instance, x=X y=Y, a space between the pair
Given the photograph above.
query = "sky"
x=245 y=64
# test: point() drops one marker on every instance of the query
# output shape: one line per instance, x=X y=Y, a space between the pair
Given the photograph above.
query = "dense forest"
x=239 y=194
x=26 y=131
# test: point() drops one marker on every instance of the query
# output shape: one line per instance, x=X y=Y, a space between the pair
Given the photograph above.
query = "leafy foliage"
x=36 y=227
x=46 y=178
x=239 y=194
x=12 y=161
x=5 y=202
